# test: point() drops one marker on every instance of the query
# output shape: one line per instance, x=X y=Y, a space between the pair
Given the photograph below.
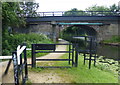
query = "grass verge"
x=81 y=74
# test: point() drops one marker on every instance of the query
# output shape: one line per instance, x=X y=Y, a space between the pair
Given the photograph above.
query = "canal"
x=107 y=51
x=110 y=52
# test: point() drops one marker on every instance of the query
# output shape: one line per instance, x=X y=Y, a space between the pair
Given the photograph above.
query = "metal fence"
x=90 y=50
x=51 y=48
x=79 y=13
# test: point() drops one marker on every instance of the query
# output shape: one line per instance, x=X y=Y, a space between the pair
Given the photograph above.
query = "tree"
x=29 y=9
x=13 y=16
x=9 y=14
x=94 y=10
x=100 y=10
x=74 y=12
x=114 y=7
x=111 y=10
x=13 y=13
x=97 y=8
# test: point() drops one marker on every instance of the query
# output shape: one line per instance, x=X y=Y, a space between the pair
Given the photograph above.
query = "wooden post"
x=69 y=53
x=90 y=52
x=84 y=57
x=25 y=59
x=76 y=58
x=15 y=63
x=20 y=59
x=33 y=56
x=72 y=55
x=94 y=59
x=9 y=63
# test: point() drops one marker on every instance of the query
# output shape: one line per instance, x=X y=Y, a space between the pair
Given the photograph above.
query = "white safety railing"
x=5 y=57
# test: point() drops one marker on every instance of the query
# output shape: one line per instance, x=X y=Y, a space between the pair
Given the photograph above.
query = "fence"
x=50 y=48
x=9 y=62
x=90 y=50
x=20 y=66
x=79 y=13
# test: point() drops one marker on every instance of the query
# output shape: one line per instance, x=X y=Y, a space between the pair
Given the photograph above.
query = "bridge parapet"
x=79 y=13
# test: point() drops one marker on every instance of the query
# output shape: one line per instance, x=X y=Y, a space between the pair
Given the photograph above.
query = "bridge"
x=49 y=22
x=75 y=16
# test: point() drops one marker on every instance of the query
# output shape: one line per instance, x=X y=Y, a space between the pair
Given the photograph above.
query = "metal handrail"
x=79 y=13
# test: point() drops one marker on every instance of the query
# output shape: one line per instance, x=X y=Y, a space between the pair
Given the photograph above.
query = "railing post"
x=33 y=56
x=25 y=61
x=76 y=55
x=76 y=58
x=90 y=52
x=15 y=63
x=43 y=14
x=91 y=13
x=53 y=13
x=84 y=57
x=62 y=13
x=69 y=53
x=72 y=55
x=8 y=66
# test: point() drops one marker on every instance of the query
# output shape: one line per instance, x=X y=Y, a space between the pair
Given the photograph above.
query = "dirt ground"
x=35 y=77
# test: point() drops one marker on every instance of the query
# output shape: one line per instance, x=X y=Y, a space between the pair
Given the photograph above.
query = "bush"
x=10 y=42
x=114 y=39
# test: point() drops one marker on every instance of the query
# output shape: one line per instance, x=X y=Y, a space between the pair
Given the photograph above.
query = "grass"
x=114 y=39
x=81 y=74
x=37 y=55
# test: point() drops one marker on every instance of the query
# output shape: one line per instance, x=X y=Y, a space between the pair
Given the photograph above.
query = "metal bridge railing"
x=79 y=13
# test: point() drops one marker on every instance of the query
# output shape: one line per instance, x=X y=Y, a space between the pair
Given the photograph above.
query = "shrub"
x=10 y=42
x=114 y=39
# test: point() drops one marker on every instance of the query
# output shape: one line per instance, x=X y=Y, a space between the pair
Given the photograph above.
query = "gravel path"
x=35 y=77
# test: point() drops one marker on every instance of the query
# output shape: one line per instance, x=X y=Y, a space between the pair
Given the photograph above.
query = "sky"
x=65 y=5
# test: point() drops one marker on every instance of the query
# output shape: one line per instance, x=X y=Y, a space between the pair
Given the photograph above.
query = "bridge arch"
x=79 y=30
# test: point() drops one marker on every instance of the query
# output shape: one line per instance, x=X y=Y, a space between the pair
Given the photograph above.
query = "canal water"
x=110 y=52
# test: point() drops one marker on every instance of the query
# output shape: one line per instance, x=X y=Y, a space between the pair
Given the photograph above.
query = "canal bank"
x=111 y=44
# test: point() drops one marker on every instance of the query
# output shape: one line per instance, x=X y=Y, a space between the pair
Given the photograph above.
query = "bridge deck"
x=72 y=18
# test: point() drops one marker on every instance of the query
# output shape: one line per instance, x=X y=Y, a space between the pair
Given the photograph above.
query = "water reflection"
x=111 y=52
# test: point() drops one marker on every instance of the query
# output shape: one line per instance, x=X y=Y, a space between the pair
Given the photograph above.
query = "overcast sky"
x=64 y=5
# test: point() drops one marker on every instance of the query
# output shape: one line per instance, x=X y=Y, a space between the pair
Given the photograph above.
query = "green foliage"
x=114 y=39
x=37 y=70
x=74 y=12
x=97 y=8
x=74 y=31
x=29 y=9
x=10 y=42
x=9 y=14
x=108 y=65
x=82 y=74
x=114 y=7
